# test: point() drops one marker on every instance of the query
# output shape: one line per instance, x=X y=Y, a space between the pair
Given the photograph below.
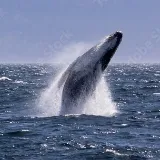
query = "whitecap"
x=157 y=94
x=115 y=152
x=5 y=78
x=20 y=82
x=157 y=75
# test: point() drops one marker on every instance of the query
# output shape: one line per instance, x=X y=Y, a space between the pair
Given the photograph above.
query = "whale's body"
x=80 y=79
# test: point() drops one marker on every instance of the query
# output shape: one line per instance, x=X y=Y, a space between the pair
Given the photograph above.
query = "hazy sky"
x=35 y=30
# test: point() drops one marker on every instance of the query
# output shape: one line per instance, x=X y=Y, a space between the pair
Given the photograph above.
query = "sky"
x=37 y=31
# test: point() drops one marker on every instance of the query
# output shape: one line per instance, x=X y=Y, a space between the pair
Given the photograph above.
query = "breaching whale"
x=81 y=77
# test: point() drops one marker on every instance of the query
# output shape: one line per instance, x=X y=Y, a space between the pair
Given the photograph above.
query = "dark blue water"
x=132 y=134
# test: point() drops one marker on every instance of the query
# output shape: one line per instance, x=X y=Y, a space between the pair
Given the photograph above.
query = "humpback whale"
x=81 y=77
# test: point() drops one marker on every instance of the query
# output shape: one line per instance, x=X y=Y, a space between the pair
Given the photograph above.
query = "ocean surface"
x=31 y=131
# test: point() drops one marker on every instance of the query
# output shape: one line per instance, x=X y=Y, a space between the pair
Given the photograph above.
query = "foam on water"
x=20 y=82
x=5 y=78
x=100 y=103
x=157 y=94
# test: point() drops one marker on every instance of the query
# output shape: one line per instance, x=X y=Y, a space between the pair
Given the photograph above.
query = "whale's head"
x=107 y=47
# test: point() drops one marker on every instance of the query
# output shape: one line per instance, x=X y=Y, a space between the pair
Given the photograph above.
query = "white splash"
x=70 y=52
x=101 y=102
x=49 y=103
x=50 y=100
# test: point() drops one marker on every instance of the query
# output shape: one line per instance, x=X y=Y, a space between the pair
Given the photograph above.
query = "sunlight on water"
x=100 y=103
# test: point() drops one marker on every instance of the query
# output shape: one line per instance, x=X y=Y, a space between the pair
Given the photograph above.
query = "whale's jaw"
x=108 y=47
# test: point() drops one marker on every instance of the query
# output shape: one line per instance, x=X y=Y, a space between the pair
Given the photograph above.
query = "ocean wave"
x=18 y=133
x=5 y=78
x=157 y=75
x=20 y=82
x=16 y=81
x=115 y=152
x=157 y=94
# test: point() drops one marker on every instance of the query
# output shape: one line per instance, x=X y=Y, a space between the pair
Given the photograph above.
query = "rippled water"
x=133 y=133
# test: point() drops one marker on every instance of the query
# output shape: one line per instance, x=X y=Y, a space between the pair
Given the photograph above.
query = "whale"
x=80 y=79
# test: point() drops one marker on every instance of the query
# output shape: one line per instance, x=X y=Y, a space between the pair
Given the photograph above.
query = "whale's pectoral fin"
x=65 y=75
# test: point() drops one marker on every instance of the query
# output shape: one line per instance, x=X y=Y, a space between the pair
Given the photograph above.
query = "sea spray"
x=100 y=103
x=50 y=100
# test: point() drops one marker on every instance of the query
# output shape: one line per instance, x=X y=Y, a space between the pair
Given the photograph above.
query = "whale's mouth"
x=109 y=42
x=108 y=47
x=118 y=35
x=113 y=41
